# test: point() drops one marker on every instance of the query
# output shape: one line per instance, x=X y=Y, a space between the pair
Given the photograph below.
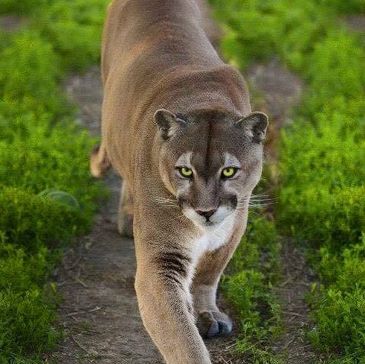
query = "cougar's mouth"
x=207 y=219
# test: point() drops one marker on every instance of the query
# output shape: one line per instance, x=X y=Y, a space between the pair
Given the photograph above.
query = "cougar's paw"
x=214 y=323
x=125 y=226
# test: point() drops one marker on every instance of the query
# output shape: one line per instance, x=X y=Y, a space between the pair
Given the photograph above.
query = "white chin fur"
x=200 y=221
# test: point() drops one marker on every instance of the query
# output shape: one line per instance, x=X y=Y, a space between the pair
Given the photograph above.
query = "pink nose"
x=206 y=214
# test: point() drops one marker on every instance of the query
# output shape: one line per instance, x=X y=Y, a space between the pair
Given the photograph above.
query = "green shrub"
x=41 y=149
x=339 y=306
x=322 y=198
x=20 y=7
x=249 y=33
x=50 y=158
x=349 y=6
x=339 y=317
x=252 y=272
x=19 y=271
x=26 y=311
x=31 y=221
x=29 y=74
x=255 y=29
x=74 y=29
x=324 y=207
x=25 y=324
x=347 y=271
x=322 y=169
x=335 y=71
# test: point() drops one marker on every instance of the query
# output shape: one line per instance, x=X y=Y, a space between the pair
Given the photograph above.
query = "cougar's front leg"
x=125 y=212
x=210 y=320
x=162 y=286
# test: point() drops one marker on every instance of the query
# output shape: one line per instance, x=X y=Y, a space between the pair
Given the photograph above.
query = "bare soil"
x=355 y=23
x=276 y=91
x=11 y=23
x=292 y=292
x=99 y=312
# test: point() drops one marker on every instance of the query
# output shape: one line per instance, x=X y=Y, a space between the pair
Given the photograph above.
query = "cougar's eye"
x=229 y=172
x=186 y=172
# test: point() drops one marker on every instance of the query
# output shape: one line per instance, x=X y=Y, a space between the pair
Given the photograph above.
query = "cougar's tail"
x=99 y=162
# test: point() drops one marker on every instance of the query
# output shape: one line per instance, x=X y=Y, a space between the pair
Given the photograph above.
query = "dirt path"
x=99 y=311
x=12 y=23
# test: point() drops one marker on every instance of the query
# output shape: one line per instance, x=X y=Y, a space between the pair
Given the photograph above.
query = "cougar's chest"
x=212 y=239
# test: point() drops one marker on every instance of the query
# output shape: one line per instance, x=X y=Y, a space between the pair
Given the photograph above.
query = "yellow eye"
x=229 y=172
x=186 y=172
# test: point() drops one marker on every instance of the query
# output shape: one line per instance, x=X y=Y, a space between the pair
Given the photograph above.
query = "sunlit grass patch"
x=322 y=153
x=41 y=150
x=252 y=273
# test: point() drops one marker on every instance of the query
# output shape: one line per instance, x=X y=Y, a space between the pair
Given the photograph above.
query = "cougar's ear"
x=168 y=123
x=255 y=126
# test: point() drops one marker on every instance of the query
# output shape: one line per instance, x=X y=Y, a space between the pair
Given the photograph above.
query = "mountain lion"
x=177 y=126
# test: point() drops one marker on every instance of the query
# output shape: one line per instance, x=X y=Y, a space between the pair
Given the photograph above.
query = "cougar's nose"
x=206 y=214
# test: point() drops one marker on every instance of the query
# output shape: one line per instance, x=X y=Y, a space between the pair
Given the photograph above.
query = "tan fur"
x=156 y=54
x=99 y=162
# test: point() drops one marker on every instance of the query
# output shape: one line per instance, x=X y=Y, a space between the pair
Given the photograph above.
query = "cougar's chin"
x=215 y=220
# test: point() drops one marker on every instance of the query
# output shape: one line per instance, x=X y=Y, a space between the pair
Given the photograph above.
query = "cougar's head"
x=210 y=161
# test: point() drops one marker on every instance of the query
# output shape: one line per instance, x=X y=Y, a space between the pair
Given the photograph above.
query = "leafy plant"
x=322 y=169
x=41 y=149
x=252 y=273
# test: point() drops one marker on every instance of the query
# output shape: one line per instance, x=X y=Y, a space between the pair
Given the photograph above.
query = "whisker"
x=263 y=198
x=263 y=201
x=260 y=194
x=163 y=199
x=167 y=202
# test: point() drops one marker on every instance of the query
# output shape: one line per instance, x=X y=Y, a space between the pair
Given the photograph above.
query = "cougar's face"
x=210 y=161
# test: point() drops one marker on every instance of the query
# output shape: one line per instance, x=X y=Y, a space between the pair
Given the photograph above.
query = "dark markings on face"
x=208 y=138
x=209 y=143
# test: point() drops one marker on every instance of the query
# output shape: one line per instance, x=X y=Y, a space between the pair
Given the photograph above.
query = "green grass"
x=77 y=20
x=322 y=169
x=21 y=7
x=252 y=273
x=321 y=196
x=41 y=149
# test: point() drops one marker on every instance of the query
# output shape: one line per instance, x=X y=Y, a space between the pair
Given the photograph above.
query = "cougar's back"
x=155 y=52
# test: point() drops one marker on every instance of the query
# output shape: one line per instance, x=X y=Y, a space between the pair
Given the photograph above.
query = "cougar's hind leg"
x=125 y=212
x=99 y=161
